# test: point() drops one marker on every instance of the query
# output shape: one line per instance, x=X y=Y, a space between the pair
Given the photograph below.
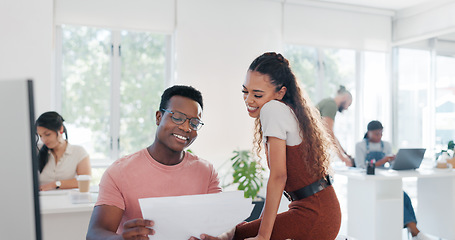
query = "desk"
x=61 y=219
x=375 y=203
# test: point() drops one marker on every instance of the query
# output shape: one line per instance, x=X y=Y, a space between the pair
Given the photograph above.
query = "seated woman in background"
x=372 y=147
x=59 y=161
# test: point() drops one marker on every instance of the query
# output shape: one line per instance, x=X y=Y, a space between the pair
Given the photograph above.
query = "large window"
x=444 y=101
x=376 y=93
x=426 y=99
x=413 y=112
x=364 y=74
x=109 y=86
x=340 y=69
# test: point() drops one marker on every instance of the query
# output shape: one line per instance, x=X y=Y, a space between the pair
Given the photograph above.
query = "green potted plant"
x=247 y=173
x=450 y=145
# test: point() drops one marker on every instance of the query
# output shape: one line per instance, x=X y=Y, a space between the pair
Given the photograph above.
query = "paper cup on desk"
x=83 y=182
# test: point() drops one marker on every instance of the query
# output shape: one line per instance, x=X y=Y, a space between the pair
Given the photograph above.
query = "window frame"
x=433 y=48
x=115 y=77
x=358 y=91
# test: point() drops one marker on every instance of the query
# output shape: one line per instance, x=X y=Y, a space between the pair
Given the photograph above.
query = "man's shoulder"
x=327 y=108
x=128 y=161
x=327 y=102
x=194 y=160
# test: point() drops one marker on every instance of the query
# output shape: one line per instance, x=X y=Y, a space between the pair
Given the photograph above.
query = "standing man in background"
x=328 y=108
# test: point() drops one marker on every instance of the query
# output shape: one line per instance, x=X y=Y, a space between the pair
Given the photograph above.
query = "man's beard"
x=341 y=107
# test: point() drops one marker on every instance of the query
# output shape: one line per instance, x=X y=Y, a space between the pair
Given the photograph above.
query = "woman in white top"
x=59 y=161
x=289 y=129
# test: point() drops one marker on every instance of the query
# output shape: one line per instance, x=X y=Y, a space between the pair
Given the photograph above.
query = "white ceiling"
x=384 y=4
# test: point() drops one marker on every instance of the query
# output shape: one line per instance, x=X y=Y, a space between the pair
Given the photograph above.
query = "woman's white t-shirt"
x=278 y=120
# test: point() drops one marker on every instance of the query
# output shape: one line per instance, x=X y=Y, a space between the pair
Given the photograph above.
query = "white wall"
x=424 y=21
x=324 y=25
x=215 y=43
x=26 y=29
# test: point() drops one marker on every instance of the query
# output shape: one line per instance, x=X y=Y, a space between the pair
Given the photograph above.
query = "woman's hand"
x=205 y=237
x=229 y=235
x=390 y=158
x=138 y=229
x=385 y=159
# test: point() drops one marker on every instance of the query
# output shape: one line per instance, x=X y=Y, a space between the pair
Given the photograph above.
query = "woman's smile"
x=251 y=109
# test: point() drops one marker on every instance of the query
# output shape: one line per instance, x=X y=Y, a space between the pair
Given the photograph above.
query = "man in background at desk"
x=328 y=108
x=162 y=169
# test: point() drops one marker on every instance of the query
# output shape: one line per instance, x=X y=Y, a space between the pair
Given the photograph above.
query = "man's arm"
x=104 y=223
x=328 y=123
x=106 y=219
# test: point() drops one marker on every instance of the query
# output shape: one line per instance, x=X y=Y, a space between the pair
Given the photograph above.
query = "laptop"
x=408 y=158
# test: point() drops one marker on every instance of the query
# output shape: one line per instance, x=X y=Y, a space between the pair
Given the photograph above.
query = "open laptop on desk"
x=408 y=159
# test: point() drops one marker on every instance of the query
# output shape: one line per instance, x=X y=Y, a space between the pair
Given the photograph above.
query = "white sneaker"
x=421 y=236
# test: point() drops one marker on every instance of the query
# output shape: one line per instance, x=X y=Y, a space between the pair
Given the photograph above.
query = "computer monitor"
x=19 y=200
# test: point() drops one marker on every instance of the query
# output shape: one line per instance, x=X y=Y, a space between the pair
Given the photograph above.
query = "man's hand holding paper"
x=192 y=215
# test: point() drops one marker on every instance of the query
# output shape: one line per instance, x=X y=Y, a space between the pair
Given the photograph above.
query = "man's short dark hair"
x=180 y=90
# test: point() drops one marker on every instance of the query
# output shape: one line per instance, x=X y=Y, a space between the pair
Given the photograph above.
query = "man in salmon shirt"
x=163 y=169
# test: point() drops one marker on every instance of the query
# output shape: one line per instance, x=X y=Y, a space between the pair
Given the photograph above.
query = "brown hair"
x=315 y=142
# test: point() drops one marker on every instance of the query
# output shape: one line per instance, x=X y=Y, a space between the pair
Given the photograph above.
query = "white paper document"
x=185 y=216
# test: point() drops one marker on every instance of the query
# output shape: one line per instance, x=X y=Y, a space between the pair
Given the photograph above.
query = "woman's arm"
x=83 y=168
x=277 y=161
x=384 y=160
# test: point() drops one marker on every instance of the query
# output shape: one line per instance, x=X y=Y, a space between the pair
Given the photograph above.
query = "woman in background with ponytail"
x=59 y=161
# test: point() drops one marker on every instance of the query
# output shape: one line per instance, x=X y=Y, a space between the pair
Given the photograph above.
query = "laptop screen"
x=408 y=158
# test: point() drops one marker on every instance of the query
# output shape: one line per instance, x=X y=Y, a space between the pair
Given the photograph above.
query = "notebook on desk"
x=408 y=158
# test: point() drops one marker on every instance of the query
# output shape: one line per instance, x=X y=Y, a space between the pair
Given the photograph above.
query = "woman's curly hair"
x=315 y=144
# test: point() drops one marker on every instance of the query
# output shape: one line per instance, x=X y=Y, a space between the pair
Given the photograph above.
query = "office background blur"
x=104 y=64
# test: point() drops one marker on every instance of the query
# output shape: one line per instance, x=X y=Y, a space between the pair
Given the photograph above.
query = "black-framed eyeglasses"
x=179 y=118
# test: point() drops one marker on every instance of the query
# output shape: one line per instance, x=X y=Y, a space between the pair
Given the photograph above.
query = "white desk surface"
x=60 y=201
x=356 y=173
